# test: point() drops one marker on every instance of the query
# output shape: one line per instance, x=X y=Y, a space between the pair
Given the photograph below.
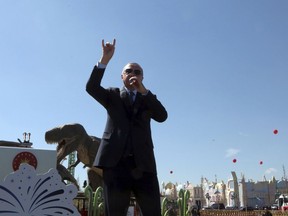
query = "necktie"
x=131 y=97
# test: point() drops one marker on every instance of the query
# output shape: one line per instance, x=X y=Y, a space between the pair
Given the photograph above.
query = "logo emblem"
x=24 y=157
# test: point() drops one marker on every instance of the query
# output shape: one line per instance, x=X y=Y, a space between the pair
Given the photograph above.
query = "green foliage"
x=96 y=201
x=183 y=197
x=89 y=194
x=164 y=208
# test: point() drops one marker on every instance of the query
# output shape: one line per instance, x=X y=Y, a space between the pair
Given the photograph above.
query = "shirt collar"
x=128 y=91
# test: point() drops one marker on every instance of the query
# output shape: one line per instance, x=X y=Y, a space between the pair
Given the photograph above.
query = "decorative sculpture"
x=70 y=138
x=23 y=192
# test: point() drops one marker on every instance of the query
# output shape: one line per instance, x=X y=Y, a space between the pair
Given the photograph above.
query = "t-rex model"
x=70 y=138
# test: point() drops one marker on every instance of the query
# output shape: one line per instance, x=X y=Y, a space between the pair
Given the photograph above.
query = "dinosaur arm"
x=66 y=175
x=75 y=164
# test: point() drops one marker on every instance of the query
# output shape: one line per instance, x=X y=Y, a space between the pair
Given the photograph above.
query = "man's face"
x=131 y=72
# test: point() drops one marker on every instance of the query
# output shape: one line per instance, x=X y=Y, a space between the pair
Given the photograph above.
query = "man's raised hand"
x=107 y=51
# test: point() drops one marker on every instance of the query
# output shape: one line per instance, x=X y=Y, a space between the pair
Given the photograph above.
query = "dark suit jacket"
x=125 y=123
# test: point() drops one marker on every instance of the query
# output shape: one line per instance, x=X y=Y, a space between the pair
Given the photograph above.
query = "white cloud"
x=231 y=152
x=270 y=170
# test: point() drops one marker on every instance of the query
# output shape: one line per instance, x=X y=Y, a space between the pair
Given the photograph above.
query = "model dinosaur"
x=70 y=138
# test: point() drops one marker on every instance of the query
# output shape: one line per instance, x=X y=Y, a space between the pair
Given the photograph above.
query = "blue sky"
x=218 y=66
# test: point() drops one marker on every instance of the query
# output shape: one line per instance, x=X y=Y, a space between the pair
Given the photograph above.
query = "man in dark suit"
x=126 y=152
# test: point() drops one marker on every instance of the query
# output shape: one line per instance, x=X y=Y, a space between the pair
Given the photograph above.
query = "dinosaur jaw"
x=67 y=132
x=66 y=145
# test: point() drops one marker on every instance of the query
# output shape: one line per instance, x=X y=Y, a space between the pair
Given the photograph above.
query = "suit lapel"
x=125 y=97
x=137 y=101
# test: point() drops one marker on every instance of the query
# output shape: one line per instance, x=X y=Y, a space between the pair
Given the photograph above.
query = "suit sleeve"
x=94 y=88
x=158 y=111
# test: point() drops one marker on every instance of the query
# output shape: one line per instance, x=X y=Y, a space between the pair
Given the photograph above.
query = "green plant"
x=183 y=197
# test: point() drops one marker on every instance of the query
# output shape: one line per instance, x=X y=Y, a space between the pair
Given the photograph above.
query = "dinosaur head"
x=67 y=137
x=64 y=131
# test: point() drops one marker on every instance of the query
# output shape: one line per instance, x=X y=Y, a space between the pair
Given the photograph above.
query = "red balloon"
x=234 y=160
x=261 y=162
x=275 y=131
